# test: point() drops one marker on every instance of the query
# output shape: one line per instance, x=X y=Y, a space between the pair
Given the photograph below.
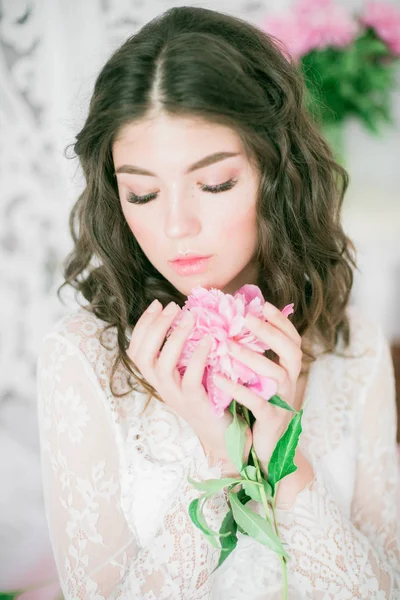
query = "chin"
x=187 y=289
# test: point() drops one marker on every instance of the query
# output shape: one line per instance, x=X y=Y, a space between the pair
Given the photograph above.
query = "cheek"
x=241 y=222
x=242 y=228
x=139 y=227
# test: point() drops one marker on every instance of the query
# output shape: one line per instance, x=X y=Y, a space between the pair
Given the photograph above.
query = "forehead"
x=175 y=139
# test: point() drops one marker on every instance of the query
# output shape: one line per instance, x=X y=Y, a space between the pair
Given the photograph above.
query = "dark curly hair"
x=201 y=63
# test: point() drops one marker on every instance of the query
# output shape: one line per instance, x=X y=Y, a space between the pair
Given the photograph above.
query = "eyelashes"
x=212 y=189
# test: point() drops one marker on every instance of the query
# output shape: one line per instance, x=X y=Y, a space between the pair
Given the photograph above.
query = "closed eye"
x=221 y=187
x=213 y=189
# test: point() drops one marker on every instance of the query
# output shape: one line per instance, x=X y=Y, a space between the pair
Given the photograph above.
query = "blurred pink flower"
x=385 y=20
x=312 y=24
x=287 y=29
x=222 y=316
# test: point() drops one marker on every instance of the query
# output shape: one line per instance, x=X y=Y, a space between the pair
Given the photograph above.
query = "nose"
x=182 y=220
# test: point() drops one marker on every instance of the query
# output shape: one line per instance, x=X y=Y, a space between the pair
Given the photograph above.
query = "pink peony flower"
x=385 y=20
x=222 y=316
x=287 y=29
x=312 y=24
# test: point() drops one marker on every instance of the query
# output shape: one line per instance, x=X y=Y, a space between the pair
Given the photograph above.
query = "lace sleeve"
x=97 y=555
x=357 y=557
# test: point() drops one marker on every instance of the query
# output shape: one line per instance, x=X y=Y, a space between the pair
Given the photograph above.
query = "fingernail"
x=170 y=308
x=154 y=305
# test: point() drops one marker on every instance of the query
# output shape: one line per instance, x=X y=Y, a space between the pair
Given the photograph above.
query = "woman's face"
x=155 y=157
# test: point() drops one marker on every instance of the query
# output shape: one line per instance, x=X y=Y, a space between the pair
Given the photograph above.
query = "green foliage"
x=281 y=462
x=13 y=595
x=277 y=401
x=354 y=81
x=235 y=438
x=255 y=525
x=211 y=486
x=244 y=498
x=254 y=486
x=197 y=517
x=228 y=537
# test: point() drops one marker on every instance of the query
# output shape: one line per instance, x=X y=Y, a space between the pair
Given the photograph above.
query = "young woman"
x=197 y=141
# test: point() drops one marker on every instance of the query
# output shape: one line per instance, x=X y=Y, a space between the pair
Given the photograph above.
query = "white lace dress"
x=117 y=496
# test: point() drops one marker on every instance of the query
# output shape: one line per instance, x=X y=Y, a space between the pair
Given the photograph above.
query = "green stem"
x=265 y=505
x=283 y=559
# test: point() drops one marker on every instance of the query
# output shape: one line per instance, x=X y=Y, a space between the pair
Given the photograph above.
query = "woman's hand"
x=186 y=395
x=271 y=421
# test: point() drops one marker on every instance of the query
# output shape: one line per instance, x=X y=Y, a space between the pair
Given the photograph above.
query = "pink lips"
x=191 y=266
x=189 y=257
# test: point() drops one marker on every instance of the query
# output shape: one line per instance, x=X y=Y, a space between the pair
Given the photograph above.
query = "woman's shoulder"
x=82 y=332
x=350 y=370
x=341 y=382
x=367 y=337
x=82 y=336
x=365 y=344
x=82 y=328
x=355 y=362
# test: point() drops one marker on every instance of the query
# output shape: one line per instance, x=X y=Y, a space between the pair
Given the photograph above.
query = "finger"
x=173 y=347
x=193 y=376
x=142 y=324
x=290 y=355
x=258 y=362
x=261 y=408
x=278 y=319
x=147 y=346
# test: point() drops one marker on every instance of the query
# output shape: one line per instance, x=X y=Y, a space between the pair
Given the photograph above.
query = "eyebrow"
x=203 y=162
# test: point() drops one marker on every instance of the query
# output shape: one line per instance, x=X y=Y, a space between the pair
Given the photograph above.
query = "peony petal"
x=264 y=387
x=222 y=316
x=312 y=24
x=288 y=310
x=249 y=293
x=220 y=400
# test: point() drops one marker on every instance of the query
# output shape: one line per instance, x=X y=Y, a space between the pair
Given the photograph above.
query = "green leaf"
x=10 y=595
x=252 y=486
x=244 y=499
x=277 y=401
x=211 y=486
x=228 y=537
x=242 y=531
x=255 y=526
x=250 y=472
x=235 y=439
x=267 y=488
x=253 y=490
x=355 y=81
x=198 y=519
x=281 y=462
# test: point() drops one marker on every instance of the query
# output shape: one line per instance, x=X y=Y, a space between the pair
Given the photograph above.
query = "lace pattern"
x=117 y=495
